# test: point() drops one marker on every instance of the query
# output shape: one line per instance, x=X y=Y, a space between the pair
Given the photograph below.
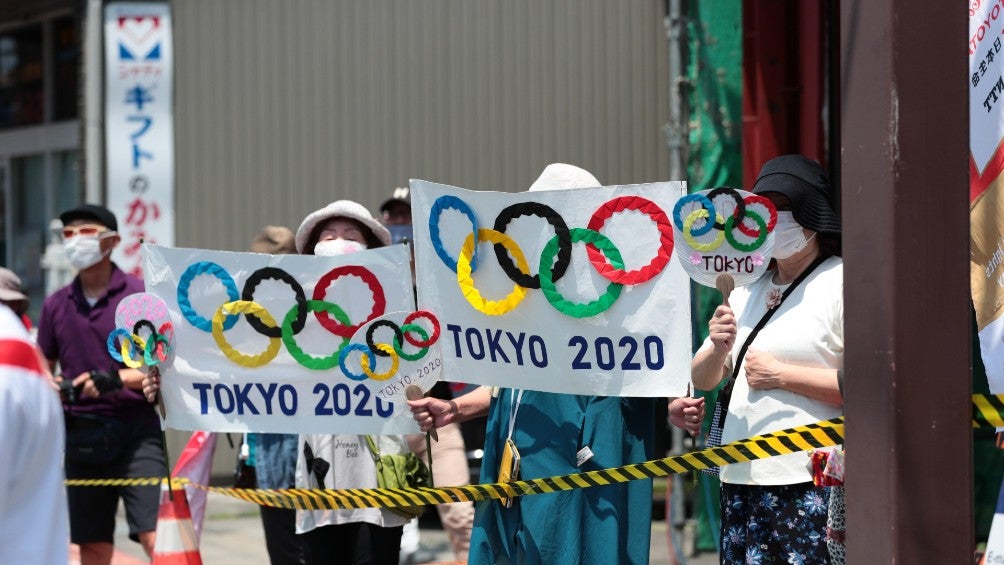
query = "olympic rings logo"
x=554 y=258
x=152 y=350
x=393 y=350
x=284 y=331
x=705 y=217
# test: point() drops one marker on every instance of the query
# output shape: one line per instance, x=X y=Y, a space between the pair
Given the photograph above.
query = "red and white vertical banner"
x=139 y=126
x=986 y=203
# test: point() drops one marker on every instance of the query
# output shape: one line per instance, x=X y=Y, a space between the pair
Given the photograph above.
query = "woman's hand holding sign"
x=687 y=413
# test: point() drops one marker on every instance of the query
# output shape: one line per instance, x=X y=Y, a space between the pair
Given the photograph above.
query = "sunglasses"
x=85 y=230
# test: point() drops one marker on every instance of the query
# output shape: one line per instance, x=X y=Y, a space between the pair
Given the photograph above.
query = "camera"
x=104 y=381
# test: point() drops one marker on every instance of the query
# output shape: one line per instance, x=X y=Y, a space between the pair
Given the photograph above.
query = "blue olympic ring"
x=705 y=203
x=345 y=354
x=185 y=304
x=113 y=350
x=451 y=202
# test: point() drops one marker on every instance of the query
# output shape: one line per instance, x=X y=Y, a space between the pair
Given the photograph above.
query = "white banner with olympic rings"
x=571 y=291
x=278 y=343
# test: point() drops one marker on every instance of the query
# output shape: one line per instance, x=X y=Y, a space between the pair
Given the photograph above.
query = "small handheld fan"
x=143 y=334
x=395 y=351
x=724 y=237
x=409 y=344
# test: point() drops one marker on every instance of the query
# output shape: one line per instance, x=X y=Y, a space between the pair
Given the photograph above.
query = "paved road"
x=232 y=533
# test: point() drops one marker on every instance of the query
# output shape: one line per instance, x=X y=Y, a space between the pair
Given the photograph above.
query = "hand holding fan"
x=143 y=334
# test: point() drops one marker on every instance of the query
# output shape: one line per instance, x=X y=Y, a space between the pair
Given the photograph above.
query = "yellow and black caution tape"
x=988 y=411
x=802 y=438
x=145 y=482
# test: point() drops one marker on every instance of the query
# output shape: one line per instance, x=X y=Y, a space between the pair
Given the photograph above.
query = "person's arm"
x=127 y=378
x=432 y=412
x=764 y=371
x=132 y=378
x=709 y=366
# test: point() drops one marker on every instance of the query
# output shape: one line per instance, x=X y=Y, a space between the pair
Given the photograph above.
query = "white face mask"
x=789 y=238
x=339 y=246
x=83 y=251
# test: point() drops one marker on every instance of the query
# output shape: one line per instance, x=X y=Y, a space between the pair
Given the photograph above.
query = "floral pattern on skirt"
x=774 y=524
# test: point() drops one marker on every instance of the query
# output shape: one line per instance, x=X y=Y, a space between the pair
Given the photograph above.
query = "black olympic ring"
x=739 y=213
x=398 y=335
x=144 y=324
x=544 y=211
x=276 y=274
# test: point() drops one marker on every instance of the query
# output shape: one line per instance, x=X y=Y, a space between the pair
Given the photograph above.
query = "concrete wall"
x=282 y=107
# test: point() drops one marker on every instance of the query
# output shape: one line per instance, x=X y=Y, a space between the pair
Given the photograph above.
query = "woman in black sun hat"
x=789 y=374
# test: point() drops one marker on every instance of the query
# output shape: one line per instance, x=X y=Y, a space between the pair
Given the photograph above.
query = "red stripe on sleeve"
x=20 y=354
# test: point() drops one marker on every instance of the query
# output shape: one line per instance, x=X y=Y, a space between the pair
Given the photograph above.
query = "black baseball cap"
x=401 y=195
x=92 y=212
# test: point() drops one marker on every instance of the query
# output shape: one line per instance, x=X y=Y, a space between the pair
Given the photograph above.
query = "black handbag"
x=725 y=394
x=94 y=440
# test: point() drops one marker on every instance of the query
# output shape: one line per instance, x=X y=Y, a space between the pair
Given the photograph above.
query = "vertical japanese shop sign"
x=139 y=128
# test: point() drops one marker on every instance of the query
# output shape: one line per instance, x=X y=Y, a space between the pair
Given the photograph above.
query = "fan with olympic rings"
x=395 y=352
x=724 y=236
x=143 y=334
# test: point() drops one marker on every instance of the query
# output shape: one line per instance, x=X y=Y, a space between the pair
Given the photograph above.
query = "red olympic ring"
x=435 y=328
x=642 y=274
x=754 y=231
x=379 y=301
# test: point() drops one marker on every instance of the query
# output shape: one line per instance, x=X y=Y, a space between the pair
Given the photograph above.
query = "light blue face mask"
x=400 y=233
x=789 y=238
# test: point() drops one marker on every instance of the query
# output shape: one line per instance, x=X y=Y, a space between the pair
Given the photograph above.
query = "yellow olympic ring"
x=364 y=362
x=126 y=358
x=689 y=238
x=245 y=307
x=466 y=281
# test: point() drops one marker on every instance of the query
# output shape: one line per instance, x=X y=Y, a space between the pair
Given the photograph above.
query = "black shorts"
x=92 y=509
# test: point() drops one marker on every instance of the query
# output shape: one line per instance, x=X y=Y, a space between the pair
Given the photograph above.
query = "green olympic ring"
x=398 y=345
x=560 y=303
x=730 y=225
x=301 y=357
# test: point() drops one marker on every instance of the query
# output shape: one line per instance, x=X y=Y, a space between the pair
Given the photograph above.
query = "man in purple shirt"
x=111 y=431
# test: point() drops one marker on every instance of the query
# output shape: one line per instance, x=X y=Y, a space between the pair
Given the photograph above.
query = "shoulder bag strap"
x=770 y=311
x=374 y=451
x=727 y=390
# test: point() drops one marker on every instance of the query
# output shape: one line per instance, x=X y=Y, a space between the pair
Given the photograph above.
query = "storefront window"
x=33 y=206
x=29 y=223
x=66 y=67
x=21 y=72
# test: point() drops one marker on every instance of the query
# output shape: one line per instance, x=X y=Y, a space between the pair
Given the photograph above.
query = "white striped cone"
x=176 y=541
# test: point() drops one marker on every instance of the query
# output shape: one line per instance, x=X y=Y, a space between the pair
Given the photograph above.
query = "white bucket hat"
x=340 y=209
x=559 y=176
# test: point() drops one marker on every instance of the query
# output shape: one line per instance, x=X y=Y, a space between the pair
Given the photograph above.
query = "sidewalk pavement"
x=232 y=534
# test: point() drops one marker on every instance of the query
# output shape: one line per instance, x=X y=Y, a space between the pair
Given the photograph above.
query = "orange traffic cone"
x=176 y=541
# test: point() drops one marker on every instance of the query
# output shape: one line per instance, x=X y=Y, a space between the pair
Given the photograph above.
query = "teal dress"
x=601 y=525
